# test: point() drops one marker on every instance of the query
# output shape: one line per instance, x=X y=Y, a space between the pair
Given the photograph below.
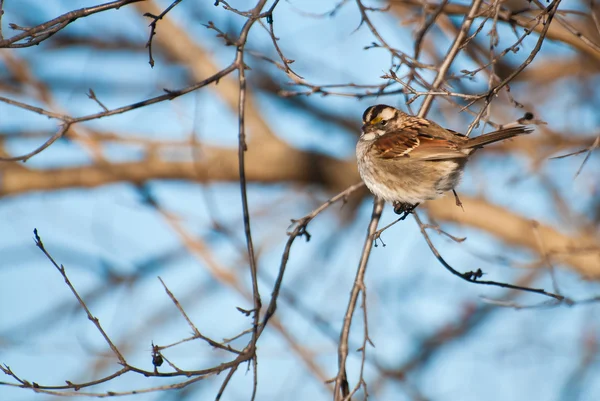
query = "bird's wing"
x=395 y=144
x=419 y=142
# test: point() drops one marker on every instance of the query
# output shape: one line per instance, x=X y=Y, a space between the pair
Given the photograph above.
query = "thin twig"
x=451 y=55
x=43 y=31
x=171 y=94
x=92 y=95
x=300 y=226
x=494 y=91
x=195 y=330
x=155 y=19
x=341 y=390
x=92 y=318
x=254 y=15
x=473 y=277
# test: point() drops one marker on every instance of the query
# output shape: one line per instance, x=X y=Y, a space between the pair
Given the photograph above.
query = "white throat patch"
x=369 y=137
x=372 y=135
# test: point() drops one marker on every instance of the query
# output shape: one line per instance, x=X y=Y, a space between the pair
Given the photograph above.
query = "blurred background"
x=155 y=192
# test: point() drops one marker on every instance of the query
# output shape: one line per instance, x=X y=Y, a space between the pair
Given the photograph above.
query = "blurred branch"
x=301 y=167
x=185 y=50
x=265 y=167
x=294 y=168
x=202 y=251
x=473 y=315
x=588 y=152
x=171 y=94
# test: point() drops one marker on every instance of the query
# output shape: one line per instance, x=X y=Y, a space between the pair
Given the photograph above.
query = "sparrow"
x=406 y=160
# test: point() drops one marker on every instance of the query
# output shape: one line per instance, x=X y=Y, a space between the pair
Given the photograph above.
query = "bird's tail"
x=496 y=136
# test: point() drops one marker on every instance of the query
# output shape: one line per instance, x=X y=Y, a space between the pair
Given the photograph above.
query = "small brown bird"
x=407 y=160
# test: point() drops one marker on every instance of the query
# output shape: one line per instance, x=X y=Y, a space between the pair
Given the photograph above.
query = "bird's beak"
x=363 y=129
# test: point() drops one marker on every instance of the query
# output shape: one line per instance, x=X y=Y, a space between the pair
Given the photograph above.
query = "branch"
x=554 y=33
x=39 y=33
x=581 y=251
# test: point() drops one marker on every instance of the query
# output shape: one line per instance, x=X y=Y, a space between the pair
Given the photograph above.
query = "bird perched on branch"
x=407 y=160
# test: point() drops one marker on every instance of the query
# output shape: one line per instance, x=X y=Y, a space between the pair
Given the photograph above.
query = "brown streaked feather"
x=410 y=143
x=437 y=149
x=395 y=144
x=401 y=142
x=458 y=134
x=414 y=124
x=432 y=130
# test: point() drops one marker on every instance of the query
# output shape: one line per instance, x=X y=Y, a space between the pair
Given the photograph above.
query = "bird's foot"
x=457 y=199
x=404 y=209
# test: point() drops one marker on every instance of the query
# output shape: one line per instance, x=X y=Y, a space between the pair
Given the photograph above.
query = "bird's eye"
x=383 y=123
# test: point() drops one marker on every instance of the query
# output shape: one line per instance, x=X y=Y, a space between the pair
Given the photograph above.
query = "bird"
x=406 y=160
